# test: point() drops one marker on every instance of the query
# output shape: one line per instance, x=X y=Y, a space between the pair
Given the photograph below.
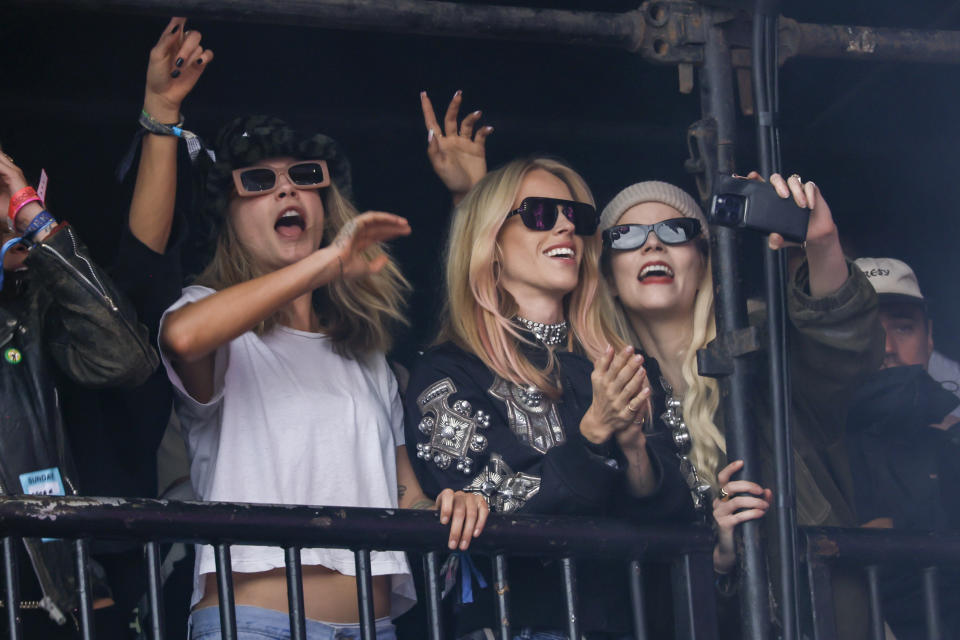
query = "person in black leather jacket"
x=59 y=316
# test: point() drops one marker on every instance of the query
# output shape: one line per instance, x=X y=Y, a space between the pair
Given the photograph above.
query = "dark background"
x=879 y=138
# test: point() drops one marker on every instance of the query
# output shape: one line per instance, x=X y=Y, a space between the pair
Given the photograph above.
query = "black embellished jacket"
x=468 y=429
x=63 y=318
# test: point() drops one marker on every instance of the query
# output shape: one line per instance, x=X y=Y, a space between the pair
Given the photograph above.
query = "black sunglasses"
x=625 y=237
x=540 y=214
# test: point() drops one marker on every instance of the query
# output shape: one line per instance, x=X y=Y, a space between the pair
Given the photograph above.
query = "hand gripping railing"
x=362 y=531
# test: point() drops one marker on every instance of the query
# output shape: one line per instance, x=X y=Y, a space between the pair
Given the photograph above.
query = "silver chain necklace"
x=549 y=334
x=700 y=491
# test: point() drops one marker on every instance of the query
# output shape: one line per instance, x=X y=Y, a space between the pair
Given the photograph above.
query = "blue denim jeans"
x=254 y=623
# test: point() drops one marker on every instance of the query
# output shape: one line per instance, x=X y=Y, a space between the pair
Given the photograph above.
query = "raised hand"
x=621 y=395
x=457 y=153
x=11 y=181
x=828 y=268
x=176 y=63
x=734 y=508
x=359 y=234
x=465 y=512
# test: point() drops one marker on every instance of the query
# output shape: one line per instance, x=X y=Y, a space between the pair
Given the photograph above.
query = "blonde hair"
x=357 y=315
x=477 y=311
x=702 y=397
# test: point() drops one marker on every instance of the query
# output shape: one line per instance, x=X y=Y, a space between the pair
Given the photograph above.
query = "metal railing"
x=151 y=522
x=874 y=550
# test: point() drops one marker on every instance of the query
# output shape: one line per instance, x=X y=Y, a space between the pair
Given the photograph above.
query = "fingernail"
x=490 y=129
x=477 y=112
x=175 y=29
x=638 y=358
x=179 y=62
x=458 y=93
x=463 y=545
x=452 y=544
x=443 y=520
x=476 y=532
x=175 y=73
x=430 y=136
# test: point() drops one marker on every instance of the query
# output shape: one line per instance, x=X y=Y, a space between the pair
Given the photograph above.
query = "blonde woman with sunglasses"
x=276 y=354
x=522 y=401
x=659 y=292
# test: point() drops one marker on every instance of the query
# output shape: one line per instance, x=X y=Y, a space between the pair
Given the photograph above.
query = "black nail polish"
x=175 y=73
x=175 y=29
x=179 y=62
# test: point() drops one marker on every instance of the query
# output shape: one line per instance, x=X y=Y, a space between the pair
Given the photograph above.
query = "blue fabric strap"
x=468 y=571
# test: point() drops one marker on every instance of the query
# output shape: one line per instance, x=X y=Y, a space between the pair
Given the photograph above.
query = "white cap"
x=893 y=279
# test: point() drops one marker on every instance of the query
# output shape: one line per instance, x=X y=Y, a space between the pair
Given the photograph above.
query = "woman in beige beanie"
x=660 y=295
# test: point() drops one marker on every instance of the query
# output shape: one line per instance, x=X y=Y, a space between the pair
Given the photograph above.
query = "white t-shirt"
x=293 y=422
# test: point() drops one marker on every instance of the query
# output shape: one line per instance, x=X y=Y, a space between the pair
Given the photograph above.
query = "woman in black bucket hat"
x=276 y=353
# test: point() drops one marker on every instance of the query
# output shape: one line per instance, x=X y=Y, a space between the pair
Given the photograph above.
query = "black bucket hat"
x=248 y=140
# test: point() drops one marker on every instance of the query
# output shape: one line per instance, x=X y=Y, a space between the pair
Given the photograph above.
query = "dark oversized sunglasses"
x=625 y=237
x=260 y=180
x=540 y=214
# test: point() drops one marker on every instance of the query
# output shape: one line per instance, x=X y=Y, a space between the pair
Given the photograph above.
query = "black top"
x=470 y=430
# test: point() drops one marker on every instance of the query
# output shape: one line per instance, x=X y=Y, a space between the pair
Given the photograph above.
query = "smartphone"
x=751 y=204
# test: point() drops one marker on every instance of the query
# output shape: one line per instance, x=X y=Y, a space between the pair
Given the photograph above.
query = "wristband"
x=9 y=244
x=42 y=221
x=194 y=144
x=19 y=200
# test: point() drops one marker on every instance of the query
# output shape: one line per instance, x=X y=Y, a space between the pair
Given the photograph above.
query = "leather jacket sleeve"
x=90 y=329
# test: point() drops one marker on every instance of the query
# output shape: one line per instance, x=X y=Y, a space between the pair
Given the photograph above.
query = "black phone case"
x=766 y=211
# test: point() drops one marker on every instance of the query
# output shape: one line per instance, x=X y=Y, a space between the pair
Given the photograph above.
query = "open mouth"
x=564 y=253
x=657 y=270
x=290 y=224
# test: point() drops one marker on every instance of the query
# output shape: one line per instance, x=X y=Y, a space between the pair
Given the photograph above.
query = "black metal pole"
x=502 y=587
x=228 y=609
x=431 y=571
x=84 y=590
x=717 y=103
x=368 y=629
x=876 y=604
x=636 y=601
x=11 y=577
x=298 y=624
x=931 y=603
x=570 y=596
x=154 y=590
x=765 y=72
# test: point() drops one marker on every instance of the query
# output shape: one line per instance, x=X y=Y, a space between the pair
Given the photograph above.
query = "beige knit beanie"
x=652 y=191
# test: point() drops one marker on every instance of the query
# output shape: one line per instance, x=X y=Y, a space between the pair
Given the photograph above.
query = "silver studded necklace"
x=549 y=334
x=700 y=491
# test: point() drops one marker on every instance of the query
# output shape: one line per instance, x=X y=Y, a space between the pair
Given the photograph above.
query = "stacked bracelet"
x=39 y=224
x=194 y=144
x=21 y=199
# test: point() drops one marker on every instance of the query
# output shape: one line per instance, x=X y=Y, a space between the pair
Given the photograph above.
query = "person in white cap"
x=903 y=313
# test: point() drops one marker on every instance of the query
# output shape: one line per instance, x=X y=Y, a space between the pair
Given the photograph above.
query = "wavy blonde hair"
x=702 y=397
x=478 y=310
x=357 y=315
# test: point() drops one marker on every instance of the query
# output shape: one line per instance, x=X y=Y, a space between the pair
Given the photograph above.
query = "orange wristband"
x=19 y=200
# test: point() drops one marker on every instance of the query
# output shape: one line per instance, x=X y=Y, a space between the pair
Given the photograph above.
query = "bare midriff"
x=328 y=595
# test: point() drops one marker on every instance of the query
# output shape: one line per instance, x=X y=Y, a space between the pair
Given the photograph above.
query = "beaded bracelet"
x=42 y=221
x=21 y=199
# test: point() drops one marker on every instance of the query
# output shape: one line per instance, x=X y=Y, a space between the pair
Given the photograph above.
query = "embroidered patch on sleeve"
x=452 y=431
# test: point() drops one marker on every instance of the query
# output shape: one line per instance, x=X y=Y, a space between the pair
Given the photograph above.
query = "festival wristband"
x=43 y=220
x=194 y=144
x=19 y=200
